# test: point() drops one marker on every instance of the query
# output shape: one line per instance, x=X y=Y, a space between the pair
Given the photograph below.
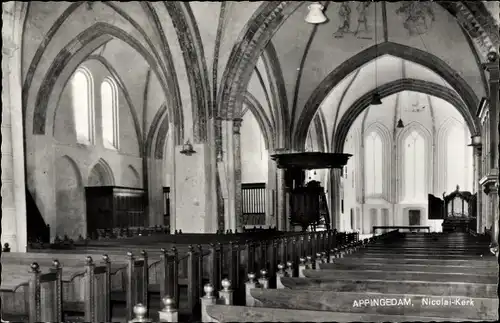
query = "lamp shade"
x=475 y=141
x=315 y=15
x=376 y=100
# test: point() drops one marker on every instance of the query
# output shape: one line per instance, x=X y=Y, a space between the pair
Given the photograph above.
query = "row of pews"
x=92 y=283
x=397 y=277
x=158 y=233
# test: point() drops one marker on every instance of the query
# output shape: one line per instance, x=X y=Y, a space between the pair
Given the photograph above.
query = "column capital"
x=237 y=125
x=492 y=67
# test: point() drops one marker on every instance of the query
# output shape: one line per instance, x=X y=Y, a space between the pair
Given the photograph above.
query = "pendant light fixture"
x=315 y=15
x=376 y=99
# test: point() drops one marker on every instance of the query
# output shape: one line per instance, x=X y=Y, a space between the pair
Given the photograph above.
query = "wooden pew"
x=464 y=269
x=46 y=306
x=218 y=260
x=126 y=270
x=225 y=313
x=340 y=279
x=95 y=306
x=237 y=259
x=411 y=261
x=392 y=287
x=407 y=304
x=478 y=257
x=400 y=275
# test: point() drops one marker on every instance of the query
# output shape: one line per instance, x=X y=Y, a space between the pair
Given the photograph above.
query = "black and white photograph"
x=250 y=161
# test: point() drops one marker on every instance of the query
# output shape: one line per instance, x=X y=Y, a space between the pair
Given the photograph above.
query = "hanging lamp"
x=315 y=15
x=376 y=99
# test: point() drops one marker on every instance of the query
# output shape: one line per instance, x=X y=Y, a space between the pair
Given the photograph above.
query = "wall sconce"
x=187 y=149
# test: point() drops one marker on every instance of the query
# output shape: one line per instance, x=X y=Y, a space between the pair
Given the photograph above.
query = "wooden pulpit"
x=307 y=206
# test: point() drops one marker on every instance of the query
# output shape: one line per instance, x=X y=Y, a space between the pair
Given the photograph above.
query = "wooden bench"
x=225 y=313
x=478 y=257
x=411 y=261
x=463 y=269
x=192 y=266
x=95 y=306
x=407 y=304
x=392 y=287
x=312 y=299
x=400 y=275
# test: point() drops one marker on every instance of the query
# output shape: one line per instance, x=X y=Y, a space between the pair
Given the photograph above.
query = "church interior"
x=264 y=161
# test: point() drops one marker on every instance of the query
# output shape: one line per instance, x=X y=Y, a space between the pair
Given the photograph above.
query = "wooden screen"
x=111 y=207
x=253 y=203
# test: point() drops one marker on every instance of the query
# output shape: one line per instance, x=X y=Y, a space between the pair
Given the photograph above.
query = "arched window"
x=455 y=158
x=414 y=167
x=109 y=112
x=373 y=164
x=81 y=90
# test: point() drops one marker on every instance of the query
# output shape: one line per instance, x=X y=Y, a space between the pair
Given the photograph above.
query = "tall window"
x=414 y=167
x=373 y=164
x=455 y=159
x=81 y=90
x=109 y=114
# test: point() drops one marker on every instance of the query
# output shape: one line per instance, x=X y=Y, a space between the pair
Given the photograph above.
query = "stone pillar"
x=335 y=198
x=494 y=106
x=238 y=199
x=155 y=191
x=282 y=200
x=477 y=189
x=490 y=181
x=13 y=189
x=271 y=194
x=226 y=171
x=196 y=190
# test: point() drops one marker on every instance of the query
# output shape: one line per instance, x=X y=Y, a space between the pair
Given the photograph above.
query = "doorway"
x=414 y=218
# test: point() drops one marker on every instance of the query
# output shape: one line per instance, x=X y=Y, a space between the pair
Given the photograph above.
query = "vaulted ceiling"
x=364 y=46
x=182 y=51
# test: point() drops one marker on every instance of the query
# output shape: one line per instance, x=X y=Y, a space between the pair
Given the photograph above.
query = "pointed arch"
x=377 y=146
x=120 y=85
x=466 y=95
x=278 y=95
x=75 y=52
x=131 y=177
x=257 y=110
x=454 y=157
x=397 y=86
x=414 y=166
x=82 y=96
x=109 y=113
x=260 y=29
x=101 y=174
